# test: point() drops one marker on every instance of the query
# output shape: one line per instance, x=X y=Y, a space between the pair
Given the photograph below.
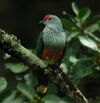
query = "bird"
x=51 y=41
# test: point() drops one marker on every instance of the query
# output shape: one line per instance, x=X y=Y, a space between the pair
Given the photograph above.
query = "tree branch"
x=11 y=45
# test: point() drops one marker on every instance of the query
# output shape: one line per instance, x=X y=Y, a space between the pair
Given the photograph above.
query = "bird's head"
x=50 y=19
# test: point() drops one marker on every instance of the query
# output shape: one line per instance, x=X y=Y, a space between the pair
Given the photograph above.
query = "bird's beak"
x=41 y=22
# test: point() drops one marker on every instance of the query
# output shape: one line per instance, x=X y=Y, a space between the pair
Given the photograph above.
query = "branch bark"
x=10 y=44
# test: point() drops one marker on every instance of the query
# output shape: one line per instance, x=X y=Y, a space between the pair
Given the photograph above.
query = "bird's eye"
x=49 y=18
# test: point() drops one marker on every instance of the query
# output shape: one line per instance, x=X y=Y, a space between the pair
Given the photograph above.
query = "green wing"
x=39 y=46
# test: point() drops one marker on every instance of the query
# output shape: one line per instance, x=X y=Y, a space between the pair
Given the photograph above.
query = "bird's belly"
x=52 y=54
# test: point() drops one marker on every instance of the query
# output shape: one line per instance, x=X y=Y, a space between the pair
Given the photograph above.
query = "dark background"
x=21 y=18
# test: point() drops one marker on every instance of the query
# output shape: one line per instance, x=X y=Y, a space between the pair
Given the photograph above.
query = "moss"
x=11 y=45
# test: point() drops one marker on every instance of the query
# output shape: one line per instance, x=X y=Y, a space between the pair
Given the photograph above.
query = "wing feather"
x=39 y=46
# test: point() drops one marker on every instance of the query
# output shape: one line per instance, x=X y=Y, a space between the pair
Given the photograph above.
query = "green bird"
x=51 y=42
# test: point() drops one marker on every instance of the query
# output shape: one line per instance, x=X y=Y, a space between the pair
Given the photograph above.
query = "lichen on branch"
x=12 y=45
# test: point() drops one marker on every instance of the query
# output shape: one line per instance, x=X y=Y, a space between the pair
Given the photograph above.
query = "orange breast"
x=51 y=54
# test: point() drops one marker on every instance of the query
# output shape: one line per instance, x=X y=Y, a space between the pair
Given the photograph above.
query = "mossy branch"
x=11 y=45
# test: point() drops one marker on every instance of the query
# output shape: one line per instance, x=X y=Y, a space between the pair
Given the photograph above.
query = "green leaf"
x=27 y=91
x=68 y=24
x=84 y=14
x=73 y=60
x=86 y=41
x=53 y=99
x=64 y=67
x=16 y=67
x=6 y=56
x=19 y=100
x=92 y=35
x=93 y=28
x=31 y=79
x=94 y=19
x=3 y=84
x=71 y=35
x=81 y=69
x=75 y=8
x=10 y=98
x=14 y=97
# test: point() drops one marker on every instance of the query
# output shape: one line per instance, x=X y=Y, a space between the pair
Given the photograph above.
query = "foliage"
x=3 y=84
x=81 y=57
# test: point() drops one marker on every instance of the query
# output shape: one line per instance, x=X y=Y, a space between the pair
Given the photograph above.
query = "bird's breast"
x=54 y=41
